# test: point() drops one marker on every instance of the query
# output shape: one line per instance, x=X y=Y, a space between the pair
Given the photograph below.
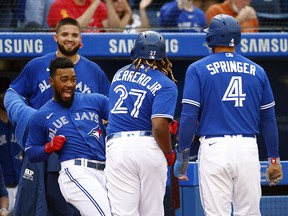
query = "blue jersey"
x=135 y=97
x=33 y=82
x=3 y=190
x=10 y=154
x=81 y=124
x=191 y=21
x=230 y=91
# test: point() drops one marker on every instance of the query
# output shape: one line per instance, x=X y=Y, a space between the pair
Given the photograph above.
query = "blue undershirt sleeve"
x=187 y=128
x=36 y=154
x=269 y=131
x=19 y=113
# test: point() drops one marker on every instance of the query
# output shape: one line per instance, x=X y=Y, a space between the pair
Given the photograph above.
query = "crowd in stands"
x=130 y=15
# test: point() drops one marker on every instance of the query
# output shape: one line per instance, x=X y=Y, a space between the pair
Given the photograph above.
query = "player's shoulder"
x=88 y=63
x=162 y=78
x=89 y=96
x=246 y=60
x=46 y=108
x=42 y=59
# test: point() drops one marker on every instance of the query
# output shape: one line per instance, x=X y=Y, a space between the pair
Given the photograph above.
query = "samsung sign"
x=180 y=45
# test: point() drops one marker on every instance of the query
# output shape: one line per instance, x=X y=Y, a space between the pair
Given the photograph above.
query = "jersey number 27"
x=123 y=94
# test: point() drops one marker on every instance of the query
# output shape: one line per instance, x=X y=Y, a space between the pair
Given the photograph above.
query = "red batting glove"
x=55 y=144
x=171 y=157
x=173 y=127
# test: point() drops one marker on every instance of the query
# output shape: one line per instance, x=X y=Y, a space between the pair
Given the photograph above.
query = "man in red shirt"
x=90 y=14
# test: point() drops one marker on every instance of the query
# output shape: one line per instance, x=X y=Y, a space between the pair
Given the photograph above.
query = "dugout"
x=112 y=51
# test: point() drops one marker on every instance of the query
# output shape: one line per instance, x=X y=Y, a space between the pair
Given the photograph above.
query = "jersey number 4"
x=123 y=94
x=234 y=92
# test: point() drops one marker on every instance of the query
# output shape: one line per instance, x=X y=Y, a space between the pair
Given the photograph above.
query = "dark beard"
x=68 y=53
x=65 y=104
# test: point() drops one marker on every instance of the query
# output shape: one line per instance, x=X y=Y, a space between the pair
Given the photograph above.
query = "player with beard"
x=38 y=192
x=74 y=132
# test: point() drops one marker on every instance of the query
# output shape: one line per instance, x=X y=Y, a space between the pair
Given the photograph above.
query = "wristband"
x=273 y=160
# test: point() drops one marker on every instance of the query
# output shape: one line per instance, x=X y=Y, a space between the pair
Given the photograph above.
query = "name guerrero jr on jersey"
x=137 y=77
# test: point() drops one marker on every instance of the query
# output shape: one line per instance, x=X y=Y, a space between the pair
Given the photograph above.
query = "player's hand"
x=181 y=164
x=274 y=172
x=170 y=157
x=3 y=212
x=55 y=144
x=173 y=126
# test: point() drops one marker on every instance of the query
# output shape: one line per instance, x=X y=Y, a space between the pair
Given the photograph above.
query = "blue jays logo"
x=96 y=132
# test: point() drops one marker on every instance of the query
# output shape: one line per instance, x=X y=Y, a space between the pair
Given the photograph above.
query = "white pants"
x=229 y=175
x=85 y=188
x=136 y=171
x=12 y=197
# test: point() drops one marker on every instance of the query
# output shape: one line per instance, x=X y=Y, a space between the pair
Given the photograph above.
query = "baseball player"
x=229 y=96
x=10 y=151
x=71 y=125
x=142 y=102
x=27 y=93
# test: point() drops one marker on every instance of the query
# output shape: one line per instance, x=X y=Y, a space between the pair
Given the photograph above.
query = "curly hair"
x=164 y=65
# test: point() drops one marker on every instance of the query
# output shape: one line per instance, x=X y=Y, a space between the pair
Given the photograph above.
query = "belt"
x=90 y=164
x=11 y=185
x=128 y=134
x=239 y=135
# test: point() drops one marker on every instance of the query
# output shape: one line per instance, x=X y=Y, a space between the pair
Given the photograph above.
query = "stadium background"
x=269 y=48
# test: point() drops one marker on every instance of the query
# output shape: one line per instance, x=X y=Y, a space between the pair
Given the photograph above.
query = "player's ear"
x=55 y=37
x=51 y=81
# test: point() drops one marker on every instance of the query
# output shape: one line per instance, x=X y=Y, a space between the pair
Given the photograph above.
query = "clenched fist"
x=55 y=144
x=274 y=172
x=171 y=157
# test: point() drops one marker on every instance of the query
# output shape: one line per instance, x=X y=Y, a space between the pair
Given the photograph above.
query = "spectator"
x=182 y=16
x=10 y=151
x=36 y=13
x=240 y=9
x=8 y=14
x=4 y=201
x=121 y=16
x=205 y=4
x=89 y=13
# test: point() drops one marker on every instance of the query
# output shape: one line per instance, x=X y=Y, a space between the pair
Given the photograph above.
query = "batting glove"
x=170 y=157
x=274 y=172
x=181 y=164
x=55 y=144
x=173 y=126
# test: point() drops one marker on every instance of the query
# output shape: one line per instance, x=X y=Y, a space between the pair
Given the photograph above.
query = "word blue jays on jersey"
x=60 y=122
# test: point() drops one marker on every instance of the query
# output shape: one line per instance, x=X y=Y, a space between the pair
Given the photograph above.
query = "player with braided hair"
x=230 y=96
x=163 y=65
x=142 y=101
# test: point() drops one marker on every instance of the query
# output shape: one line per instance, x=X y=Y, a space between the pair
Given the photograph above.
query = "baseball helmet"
x=149 y=45
x=224 y=30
